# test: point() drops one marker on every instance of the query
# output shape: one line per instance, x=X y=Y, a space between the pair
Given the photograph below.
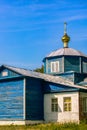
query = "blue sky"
x=31 y=29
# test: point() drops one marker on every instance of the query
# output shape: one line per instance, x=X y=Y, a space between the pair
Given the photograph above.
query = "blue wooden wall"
x=73 y=76
x=34 y=99
x=80 y=77
x=68 y=75
x=84 y=68
x=71 y=64
x=11 y=100
x=66 y=63
x=47 y=64
x=9 y=73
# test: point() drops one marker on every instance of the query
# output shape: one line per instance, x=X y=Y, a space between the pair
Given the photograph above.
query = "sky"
x=31 y=29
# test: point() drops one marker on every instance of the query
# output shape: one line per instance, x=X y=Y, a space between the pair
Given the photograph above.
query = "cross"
x=65 y=28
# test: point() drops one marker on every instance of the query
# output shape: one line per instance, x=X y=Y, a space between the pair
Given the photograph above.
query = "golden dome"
x=65 y=38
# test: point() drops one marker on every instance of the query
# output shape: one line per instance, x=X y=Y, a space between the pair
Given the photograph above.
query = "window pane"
x=54 y=100
x=55 y=66
x=54 y=104
x=52 y=67
x=67 y=99
x=67 y=104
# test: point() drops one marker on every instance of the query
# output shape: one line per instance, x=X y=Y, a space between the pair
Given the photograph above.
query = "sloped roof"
x=82 y=83
x=66 y=52
x=46 y=77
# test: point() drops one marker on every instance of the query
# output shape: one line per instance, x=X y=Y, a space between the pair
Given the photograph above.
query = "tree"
x=41 y=70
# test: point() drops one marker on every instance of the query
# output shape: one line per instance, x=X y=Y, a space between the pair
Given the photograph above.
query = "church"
x=57 y=95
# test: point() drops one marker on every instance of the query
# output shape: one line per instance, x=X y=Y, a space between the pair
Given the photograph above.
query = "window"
x=67 y=103
x=84 y=104
x=4 y=73
x=55 y=66
x=54 y=105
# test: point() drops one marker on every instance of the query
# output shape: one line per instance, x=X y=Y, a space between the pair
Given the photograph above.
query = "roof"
x=45 y=77
x=65 y=52
x=82 y=83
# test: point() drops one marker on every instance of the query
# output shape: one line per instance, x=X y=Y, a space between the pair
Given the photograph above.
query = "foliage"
x=49 y=126
x=41 y=70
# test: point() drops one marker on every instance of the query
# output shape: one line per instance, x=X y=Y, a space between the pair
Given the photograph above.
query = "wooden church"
x=58 y=95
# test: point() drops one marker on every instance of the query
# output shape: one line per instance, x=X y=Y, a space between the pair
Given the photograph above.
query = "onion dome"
x=65 y=38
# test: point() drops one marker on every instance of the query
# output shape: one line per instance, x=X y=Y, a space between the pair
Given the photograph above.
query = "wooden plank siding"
x=47 y=64
x=9 y=73
x=11 y=100
x=84 y=68
x=68 y=75
x=66 y=63
x=72 y=64
x=34 y=99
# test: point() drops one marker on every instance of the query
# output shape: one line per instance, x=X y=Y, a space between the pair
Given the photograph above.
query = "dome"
x=65 y=52
x=65 y=59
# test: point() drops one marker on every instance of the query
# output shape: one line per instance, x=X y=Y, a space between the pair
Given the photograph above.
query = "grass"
x=49 y=126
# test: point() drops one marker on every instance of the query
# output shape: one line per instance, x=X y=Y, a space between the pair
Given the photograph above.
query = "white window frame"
x=55 y=66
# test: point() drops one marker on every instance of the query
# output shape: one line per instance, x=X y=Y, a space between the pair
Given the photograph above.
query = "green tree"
x=41 y=70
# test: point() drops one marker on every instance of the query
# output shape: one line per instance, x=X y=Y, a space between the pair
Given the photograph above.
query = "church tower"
x=65 y=60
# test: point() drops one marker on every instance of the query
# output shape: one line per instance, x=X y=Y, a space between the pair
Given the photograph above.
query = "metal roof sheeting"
x=45 y=77
x=66 y=52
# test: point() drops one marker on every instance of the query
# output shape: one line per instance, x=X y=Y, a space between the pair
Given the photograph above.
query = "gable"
x=4 y=73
